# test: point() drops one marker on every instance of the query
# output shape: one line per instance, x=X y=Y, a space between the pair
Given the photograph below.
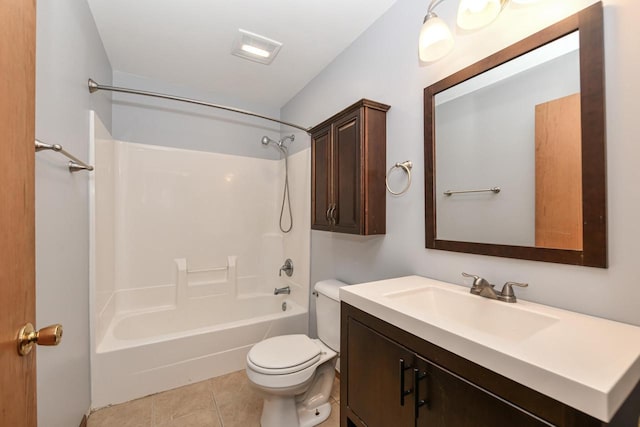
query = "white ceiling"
x=189 y=42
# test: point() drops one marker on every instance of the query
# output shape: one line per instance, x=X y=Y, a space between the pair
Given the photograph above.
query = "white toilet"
x=294 y=372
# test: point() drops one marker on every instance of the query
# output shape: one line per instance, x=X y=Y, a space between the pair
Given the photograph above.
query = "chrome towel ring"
x=406 y=166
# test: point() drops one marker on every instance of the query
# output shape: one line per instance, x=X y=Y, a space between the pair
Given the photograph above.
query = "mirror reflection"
x=508 y=152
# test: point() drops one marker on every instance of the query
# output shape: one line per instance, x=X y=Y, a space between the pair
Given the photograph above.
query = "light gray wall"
x=486 y=139
x=68 y=52
x=383 y=65
x=174 y=124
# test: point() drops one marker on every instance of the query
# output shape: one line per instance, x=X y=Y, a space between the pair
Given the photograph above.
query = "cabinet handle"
x=417 y=377
x=326 y=215
x=330 y=216
x=333 y=214
x=403 y=392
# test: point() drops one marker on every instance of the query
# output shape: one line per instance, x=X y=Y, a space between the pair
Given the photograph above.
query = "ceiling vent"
x=255 y=47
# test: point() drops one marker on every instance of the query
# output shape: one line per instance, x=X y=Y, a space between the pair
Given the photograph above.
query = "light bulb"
x=435 y=40
x=474 y=14
x=255 y=50
x=476 y=6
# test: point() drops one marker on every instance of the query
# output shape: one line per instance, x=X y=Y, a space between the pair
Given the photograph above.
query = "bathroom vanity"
x=416 y=351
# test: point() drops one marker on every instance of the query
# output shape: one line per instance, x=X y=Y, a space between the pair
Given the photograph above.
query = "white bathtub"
x=148 y=352
x=181 y=274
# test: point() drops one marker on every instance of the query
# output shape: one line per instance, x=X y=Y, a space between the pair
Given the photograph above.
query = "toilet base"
x=281 y=411
x=312 y=417
x=303 y=410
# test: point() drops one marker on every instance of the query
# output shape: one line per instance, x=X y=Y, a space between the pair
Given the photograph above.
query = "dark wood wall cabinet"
x=390 y=377
x=348 y=155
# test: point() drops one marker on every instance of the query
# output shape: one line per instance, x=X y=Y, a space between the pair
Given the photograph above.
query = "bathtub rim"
x=110 y=343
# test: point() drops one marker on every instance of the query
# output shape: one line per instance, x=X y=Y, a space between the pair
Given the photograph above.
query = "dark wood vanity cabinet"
x=348 y=154
x=391 y=378
x=397 y=387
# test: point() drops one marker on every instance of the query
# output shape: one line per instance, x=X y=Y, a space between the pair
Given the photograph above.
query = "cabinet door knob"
x=417 y=377
x=403 y=392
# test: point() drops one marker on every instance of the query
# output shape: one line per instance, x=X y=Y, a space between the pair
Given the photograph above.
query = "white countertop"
x=589 y=363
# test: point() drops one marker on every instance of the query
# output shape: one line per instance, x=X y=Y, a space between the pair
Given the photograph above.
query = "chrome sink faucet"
x=481 y=286
x=485 y=289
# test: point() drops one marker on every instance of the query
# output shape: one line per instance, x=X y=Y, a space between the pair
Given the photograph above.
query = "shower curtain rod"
x=94 y=87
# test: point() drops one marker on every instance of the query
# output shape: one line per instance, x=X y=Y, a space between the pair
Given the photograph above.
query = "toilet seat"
x=284 y=354
x=296 y=380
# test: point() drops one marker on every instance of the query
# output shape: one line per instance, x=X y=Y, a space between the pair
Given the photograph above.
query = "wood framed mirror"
x=515 y=150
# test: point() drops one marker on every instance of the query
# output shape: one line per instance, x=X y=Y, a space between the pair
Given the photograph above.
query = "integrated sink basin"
x=506 y=321
x=588 y=363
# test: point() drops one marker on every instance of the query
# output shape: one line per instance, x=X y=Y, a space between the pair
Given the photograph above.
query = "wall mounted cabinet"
x=393 y=378
x=348 y=155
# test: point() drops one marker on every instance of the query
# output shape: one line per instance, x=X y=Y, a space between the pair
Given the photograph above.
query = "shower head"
x=266 y=140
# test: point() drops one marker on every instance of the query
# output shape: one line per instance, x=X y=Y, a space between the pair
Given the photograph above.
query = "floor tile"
x=182 y=401
x=335 y=390
x=334 y=418
x=203 y=418
x=228 y=401
x=136 y=413
x=238 y=403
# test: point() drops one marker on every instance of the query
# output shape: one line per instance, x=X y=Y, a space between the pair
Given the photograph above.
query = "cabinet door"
x=321 y=179
x=346 y=174
x=375 y=380
x=450 y=400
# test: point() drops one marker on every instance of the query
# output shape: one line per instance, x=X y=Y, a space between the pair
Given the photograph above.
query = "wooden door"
x=347 y=178
x=450 y=400
x=374 y=378
x=559 y=174
x=17 y=221
x=321 y=179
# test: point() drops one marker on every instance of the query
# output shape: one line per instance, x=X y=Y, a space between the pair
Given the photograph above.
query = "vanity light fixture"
x=255 y=47
x=436 y=41
x=474 y=14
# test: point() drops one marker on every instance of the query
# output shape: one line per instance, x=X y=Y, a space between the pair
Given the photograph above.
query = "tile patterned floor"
x=227 y=401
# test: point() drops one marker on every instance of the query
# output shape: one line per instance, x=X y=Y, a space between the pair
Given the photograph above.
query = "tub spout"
x=285 y=290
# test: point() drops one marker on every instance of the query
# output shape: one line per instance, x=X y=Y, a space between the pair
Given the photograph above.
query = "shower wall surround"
x=172 y=224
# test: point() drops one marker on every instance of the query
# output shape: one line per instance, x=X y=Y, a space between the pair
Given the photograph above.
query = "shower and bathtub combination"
x=186 y=250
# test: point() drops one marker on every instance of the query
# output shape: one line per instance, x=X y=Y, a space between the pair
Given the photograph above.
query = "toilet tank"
x=328 y=312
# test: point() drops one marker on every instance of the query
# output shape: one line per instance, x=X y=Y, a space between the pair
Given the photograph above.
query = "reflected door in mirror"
x=559 y=174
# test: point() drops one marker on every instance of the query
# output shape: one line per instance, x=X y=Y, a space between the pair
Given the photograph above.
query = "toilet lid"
x=284 y=354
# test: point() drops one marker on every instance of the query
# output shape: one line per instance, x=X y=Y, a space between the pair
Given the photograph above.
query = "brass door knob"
x=50 y=335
